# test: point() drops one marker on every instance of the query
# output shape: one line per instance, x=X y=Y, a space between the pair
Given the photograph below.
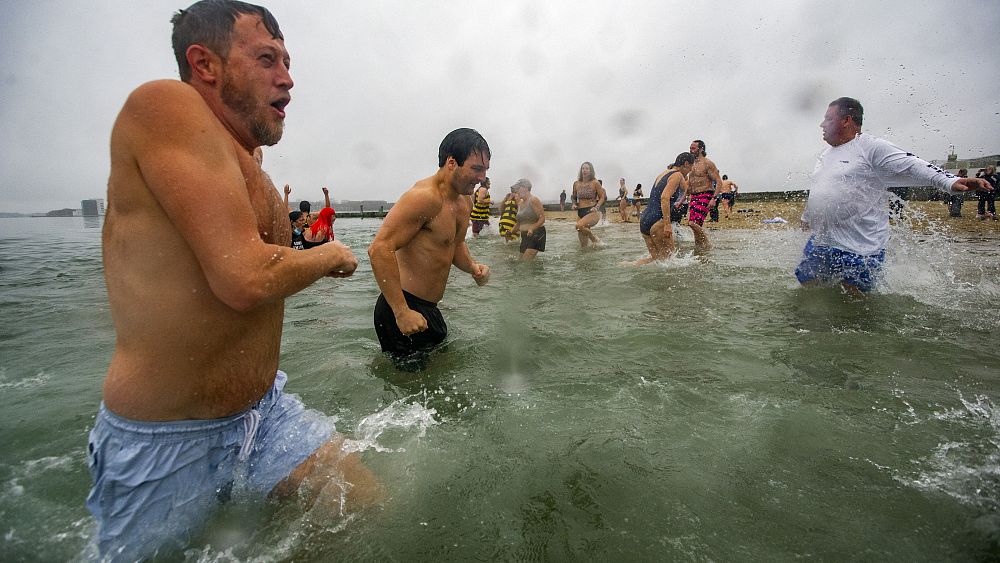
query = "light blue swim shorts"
x=156 y=483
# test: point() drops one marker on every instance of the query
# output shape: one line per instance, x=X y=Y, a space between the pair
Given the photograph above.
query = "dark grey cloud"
x=626 y=85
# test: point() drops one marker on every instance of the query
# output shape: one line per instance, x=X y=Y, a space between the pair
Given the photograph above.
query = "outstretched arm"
x=326 y=197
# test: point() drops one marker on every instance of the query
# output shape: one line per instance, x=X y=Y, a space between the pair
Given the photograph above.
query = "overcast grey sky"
x=623 y=84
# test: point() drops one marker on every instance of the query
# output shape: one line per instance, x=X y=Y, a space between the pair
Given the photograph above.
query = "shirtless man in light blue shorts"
x=198 y=263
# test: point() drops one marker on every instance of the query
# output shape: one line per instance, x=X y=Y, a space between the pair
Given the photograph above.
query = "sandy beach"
x=750 y=215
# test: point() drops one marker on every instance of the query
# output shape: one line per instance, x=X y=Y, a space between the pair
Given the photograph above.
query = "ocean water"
x=703 y=409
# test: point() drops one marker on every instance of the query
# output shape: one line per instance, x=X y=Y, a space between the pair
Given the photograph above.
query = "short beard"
x=242 y=104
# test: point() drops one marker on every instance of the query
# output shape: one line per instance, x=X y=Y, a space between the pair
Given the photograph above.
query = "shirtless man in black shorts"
x=421 y=238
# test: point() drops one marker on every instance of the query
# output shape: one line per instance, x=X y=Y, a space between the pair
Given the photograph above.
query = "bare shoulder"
x=162 y=100
x=171 y=112
x=419 y=203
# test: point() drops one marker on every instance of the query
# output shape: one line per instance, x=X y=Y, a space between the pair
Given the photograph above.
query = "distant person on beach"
x=986 y=209
x=321 y=230
x=956 y=200
x=727 y=195
x=588 y=197
x=422 y=236
x=198 y=263
x=703 y=182
x=508 y=216
x=298 y=222
x=637 y=199
x=847 y=211
x=562 y=201
x=480 y=215
x=654 y=223
x=530 y=220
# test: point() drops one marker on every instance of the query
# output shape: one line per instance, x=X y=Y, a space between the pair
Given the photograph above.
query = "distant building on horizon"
x=92 y=207
x=953 y=163
x=367 y=205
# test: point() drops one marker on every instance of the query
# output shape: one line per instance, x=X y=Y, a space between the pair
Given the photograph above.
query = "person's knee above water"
x=672 y=183
x=847 y=211
x=422 y=236
x=588 y=197
x=667 y=192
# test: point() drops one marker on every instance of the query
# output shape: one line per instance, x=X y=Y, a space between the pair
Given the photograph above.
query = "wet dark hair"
x=460 y=143
x=294 y=216
x=682 y=159
x=724 y=177
x=849 y=107
x=701 y=145
x=305 y=206
x=210 y=23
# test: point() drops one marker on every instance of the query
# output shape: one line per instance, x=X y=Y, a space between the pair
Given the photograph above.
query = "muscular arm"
x=413 y=210
x=713 y=173
x=193 y=171
x=326 y=197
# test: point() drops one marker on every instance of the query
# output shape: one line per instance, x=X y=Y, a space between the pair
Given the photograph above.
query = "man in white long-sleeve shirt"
x=847 y=210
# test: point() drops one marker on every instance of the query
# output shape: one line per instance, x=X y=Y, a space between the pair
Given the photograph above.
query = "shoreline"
x=750 y=215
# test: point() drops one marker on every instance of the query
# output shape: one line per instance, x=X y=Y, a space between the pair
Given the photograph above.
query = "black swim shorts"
x=535 y=241
x=398 y=344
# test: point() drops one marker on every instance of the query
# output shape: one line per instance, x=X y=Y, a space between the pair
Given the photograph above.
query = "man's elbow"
x=243 y=293
x=374 y=249
x=246 y=296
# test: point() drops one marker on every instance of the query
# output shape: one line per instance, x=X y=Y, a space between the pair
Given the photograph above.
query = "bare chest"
x=445 y=228
x=268 y=207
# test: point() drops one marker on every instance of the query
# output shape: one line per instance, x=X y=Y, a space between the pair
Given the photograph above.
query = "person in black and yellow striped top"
x=508 y=216
x=481 y=201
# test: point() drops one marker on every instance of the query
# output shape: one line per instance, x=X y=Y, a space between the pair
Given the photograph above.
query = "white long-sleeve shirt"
x=848 y=200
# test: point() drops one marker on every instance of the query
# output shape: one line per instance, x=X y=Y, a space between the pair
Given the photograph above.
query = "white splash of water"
x=400 y=414
x=38 y=380
x=678 y=260
x=921 y=262
x=966 y=471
